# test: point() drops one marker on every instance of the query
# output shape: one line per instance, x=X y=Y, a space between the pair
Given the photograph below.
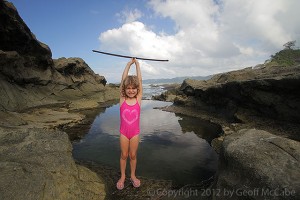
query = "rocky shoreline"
x=45 y=103
x=40 y=98
x=258 y=109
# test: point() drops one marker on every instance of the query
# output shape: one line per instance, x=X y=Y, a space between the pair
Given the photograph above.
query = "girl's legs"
x=124 y=144
x=133 y=146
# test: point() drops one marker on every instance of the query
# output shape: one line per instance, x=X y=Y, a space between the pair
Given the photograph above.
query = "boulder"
x=38 y=164
x=256 y=164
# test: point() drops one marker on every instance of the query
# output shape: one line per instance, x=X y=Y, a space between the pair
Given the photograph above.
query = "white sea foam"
x=150 y=90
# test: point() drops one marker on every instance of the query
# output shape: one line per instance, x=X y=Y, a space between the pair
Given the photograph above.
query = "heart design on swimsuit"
x=130 y=116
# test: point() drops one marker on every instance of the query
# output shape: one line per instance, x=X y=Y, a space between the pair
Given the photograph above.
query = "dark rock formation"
x=271 y=92
x=16 y=36
x=28 y=75
x=77 y=71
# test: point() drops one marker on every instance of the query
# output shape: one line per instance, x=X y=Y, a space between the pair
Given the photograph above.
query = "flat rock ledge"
x=38 y=164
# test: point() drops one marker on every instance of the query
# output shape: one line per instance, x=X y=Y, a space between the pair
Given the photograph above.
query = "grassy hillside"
x=286 y=57
x=175 y=80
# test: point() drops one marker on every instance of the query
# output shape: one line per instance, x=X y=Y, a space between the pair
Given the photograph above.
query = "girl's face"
x=131 y=91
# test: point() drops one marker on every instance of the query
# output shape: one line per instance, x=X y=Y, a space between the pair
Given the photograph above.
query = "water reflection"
x=170 y=145
x=204 y=129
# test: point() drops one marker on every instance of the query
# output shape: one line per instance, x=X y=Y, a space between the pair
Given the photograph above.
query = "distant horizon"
x=156 y=80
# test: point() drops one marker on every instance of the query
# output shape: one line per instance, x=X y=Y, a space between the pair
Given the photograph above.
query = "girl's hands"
x=136 y=61
x=133 y=60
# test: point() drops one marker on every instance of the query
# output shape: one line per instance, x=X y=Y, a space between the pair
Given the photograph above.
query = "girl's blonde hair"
x=131 y=80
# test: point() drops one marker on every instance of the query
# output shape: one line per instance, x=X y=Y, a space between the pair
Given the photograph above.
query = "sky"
x=198 y=37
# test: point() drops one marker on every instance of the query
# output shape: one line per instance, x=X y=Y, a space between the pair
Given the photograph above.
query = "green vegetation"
x=286 y=57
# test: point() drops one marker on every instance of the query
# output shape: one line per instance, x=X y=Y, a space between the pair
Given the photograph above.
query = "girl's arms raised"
x=124 y=75
x=139 y=76
x=126 y=70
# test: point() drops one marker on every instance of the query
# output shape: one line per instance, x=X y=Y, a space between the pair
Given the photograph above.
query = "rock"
x=50 y=118
x=77 y=71
x=251 y=95
x=216 y=143
x=16 y=36
x=39 y=95
x=24 y=87
x=254 y=160
x=38 y=164
x=29 y=77
x=258 y=89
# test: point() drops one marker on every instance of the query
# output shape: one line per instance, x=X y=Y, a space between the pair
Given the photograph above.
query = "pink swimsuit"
x=130 y=119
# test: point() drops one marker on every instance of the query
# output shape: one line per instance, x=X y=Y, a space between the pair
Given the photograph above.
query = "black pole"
x=118 y=55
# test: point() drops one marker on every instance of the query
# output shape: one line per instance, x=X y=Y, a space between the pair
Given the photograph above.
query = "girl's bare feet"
x=120 y=183
x=135 y=182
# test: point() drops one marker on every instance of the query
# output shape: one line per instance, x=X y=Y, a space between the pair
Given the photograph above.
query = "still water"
x=172 y=147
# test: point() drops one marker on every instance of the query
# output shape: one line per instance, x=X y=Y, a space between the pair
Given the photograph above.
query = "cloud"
x=127 y=16
x=257 y=22
x=137 y=39
x=210 y=37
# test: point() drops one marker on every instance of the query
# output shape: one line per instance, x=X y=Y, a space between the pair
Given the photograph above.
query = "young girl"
x=131 y=92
